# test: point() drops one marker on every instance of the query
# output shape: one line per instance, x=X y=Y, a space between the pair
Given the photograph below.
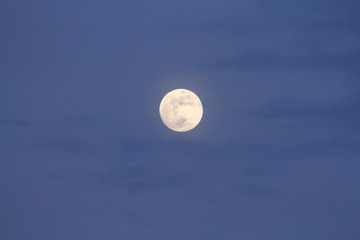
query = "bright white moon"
x=181 y=110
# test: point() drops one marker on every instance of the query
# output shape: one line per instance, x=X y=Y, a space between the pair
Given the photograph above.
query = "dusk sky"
x=84 y=153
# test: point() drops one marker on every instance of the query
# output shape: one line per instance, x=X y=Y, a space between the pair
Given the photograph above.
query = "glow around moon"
x=181 y=110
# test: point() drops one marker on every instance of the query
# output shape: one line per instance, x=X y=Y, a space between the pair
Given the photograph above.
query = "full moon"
x=181 y=110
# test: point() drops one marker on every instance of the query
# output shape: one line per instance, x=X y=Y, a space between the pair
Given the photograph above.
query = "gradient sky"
x=83 y=151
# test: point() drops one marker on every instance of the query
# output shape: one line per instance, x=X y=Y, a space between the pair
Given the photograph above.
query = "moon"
x=181 y=110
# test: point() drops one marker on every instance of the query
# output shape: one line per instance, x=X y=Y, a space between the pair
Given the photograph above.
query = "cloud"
x=226 y=28
x=154 y=184
x=68 y=144
x=15 y=123
x=288 y=107
x=262 y=58
x=304 y=129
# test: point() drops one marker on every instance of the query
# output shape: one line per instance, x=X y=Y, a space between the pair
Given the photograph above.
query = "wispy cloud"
x=275 y=60
x=16 y=123
x=287 y=107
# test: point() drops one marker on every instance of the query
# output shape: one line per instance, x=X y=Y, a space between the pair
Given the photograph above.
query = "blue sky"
x=83 y=151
